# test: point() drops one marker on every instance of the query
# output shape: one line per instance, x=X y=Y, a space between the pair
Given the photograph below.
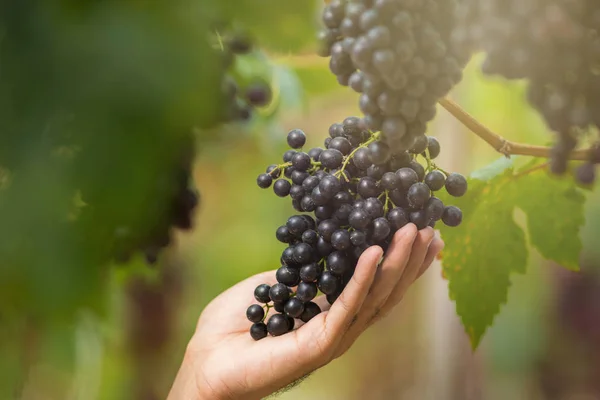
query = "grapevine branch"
x=499 y=143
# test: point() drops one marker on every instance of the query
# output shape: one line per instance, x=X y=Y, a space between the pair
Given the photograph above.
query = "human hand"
x=222 y=361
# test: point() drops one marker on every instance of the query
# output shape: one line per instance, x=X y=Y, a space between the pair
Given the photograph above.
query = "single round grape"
x=328 y=284
x=336 y=130
x=287 y=171
x=356 y=80
x=258 y=331
x=264 y=181
x=283 y=234
x=287 y=256
x=359 y=219
x=331 y=158
x=341 y=144
x=307 y=203
x=373 y=207
x=310 y=183
x=326 y=229
x=376 y=171
x=330 y=185
x=420 y=145
x=326 y=143
x=418 y=168
x=434 y=209
x=255 y=313
x=408 y=177
x=303 y=253
x=398 y=218
x=358 y=238
x=261 y=293
x=368 y=187
x=390 y=181
x=273 y=171
x=419 y=218
x=338 y=263
x=310 y=237
x=381 y=229
x=342 y=214
x=456 y=184
x=288 y=276
x=452 y=216
x=380 y=152
x=279 y=293
x=324 y=212
x=433 y=146
x=310 y=272
x=311 y=310
x=435 y=180
x=394 y=127
x=324 y=248
x=282 y=187
x=314 y=153
x=301 y=161
x=296 y=139
x=319 y=197
x=288 y=155
x=418 y=195
x=312 y=224
x=296 y=225
x=293 y=307
x=298 y=177
x=277 y=325
x=340 y=240
x=297 y=192
x=306 y=291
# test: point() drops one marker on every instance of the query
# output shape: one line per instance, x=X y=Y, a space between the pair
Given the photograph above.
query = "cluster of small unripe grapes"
x=240 y=102
x=555 y=46
x=398 y=55
x=359 y=193
x=177 y=200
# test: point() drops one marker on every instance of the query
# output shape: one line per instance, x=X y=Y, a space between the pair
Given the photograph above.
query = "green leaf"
x=555 y=214
x=482 y=253
x=489 y=246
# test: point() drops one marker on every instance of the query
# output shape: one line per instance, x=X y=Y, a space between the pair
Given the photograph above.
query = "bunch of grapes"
x=359 y=193
x=555 y=46
x=398 y=55
x=240 y=104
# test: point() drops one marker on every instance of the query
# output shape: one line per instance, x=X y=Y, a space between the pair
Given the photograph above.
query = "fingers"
x=434 y=249
x=346 y=307
x=420 y=251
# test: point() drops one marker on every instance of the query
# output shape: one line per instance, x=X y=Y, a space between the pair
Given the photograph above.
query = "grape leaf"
x=555 y=214
x=489 y=246
x=482 y=253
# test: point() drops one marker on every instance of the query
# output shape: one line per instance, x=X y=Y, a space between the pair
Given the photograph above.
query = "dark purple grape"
x=273 y=171
x=434 y=209
x=398 y=218
x=418 y=168
x=297 y=192
x=368 y=187
x=341 y=144
x=419 y=218
x=373 y=207
x=279 y=293
x=390 y=181
x=418 y=195
x=380 y=153
x=381 y=229
x=324 y=212
x=284 y=235
x=258 y=331
x=330 y=185
x=296 y=225
x=359 y=219
x=288 y=276
x=324 y=248
x=310 y=272
x=340 y=240
x=408 y=177
x=261 y=293
x=306 y=291
x=433 y=147
x=435 y=180
x=293 y=307
x=358 y=238
x=326 y=229
x=314 y=153
x=311 y=310
x=338 y=263
x=303 y=253
x=282 y=187
x=328 y=284
x=301 y=161
x=310 y=183
x=456 y=184
x=452 y=216
x=264 y=181
x=277 y=325
x=255 y=313
x=419 y=145
x=331 y=158
x=288 y=155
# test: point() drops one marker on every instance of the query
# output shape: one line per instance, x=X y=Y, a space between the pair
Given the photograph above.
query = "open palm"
x=223 y=361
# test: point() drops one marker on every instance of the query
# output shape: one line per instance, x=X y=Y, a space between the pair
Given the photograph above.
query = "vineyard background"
x=418 y=352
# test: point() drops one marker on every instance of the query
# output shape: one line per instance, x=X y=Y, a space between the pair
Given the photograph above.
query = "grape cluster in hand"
x=399 y=56
x=353 y=193
x=555 y=46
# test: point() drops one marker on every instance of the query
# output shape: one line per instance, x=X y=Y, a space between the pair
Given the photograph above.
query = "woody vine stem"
x=499 y=143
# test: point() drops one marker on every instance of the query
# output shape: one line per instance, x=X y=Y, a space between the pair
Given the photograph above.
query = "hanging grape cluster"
x=359 y=193
x=398 y=55
x=176 y=198
x=555 y=46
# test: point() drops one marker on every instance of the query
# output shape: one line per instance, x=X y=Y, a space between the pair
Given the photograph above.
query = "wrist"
x=189 y=384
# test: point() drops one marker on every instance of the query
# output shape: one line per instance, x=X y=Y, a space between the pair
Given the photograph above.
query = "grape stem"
x=499 y=143
x=281 y=166
x=373 y=138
